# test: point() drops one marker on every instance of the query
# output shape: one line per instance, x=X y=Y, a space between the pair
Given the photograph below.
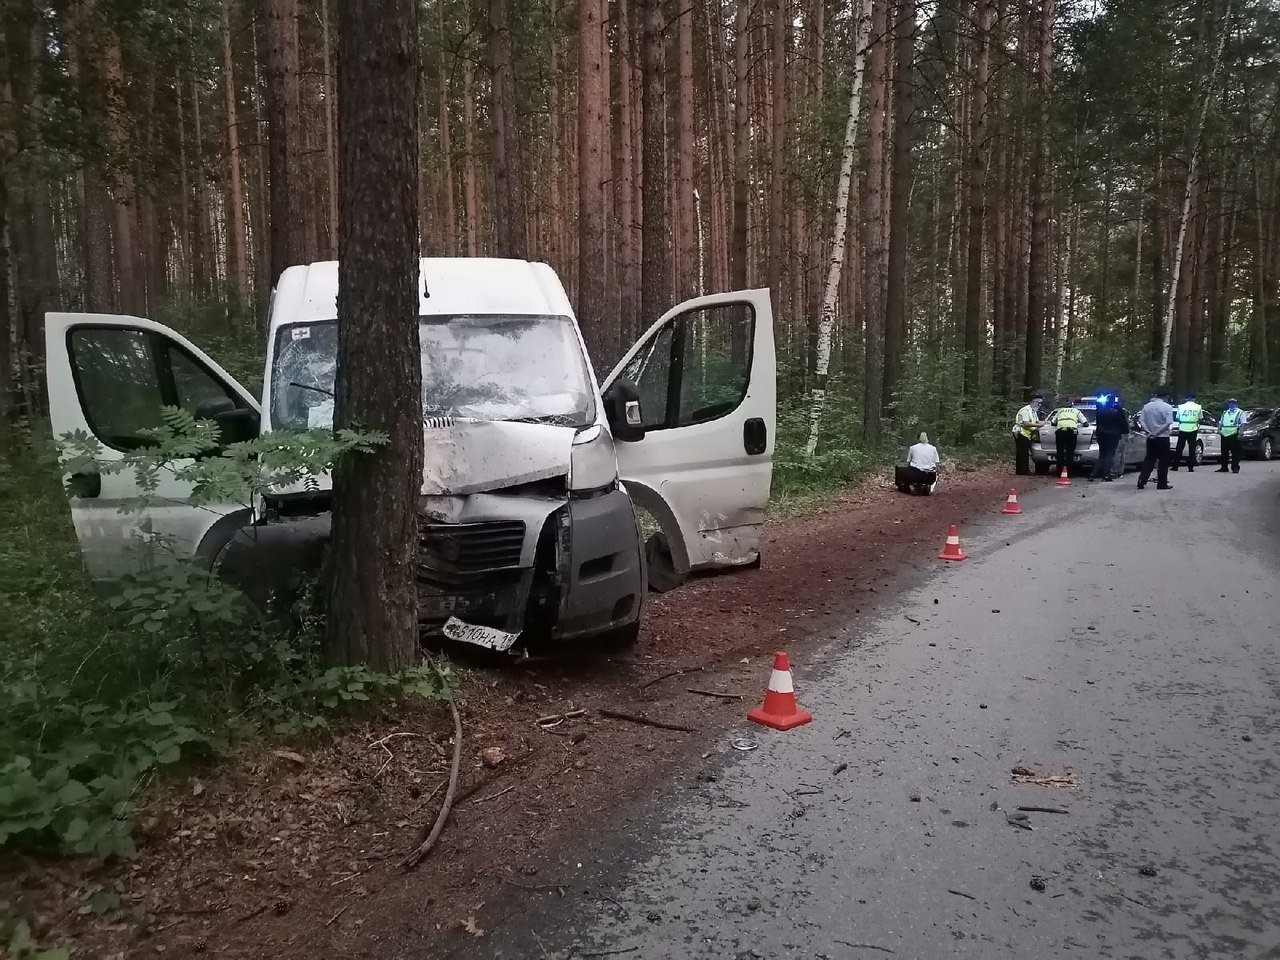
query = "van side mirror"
x=234 y=423
x=622 y=410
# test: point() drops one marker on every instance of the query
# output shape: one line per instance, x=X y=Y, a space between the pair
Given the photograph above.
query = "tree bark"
x=237 y=255
x=373 y=557
x=738 y=251
x=977 y=199
x=686 y=219
x=1037 y=274
x=284 y=130
x=655 y=279
x=330 y=128
x=1193 y=168
x=839 y=231
x=628 y=243
x=778 y=35
x=895 y=328
x=593 y=293
x=120 y=180
x=471 y=182
x=510 y=218
x=875 y=248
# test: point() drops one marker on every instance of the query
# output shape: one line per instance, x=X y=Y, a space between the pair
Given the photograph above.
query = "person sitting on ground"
x=919 y=475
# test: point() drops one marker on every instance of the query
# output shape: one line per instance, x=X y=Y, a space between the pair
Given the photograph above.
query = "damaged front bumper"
x=538 y=565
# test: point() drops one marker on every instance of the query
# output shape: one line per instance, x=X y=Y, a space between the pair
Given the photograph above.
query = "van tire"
x=663 y=575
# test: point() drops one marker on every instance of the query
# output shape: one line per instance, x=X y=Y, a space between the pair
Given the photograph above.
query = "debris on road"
x=713 y=693
x=493 y=757
x=1038 y=884
x=1044 y=810
x=914 y=798
x=1148 y=871
x=840 y=768
x=555 y=719
x=1028 y=776
x=743 y=745
x=961 y=893
x=645 y=721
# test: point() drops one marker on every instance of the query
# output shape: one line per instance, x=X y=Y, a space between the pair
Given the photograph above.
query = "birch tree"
x=839 y=231
x=1193 y=170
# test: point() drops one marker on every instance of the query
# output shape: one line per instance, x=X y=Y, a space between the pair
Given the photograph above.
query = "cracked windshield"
x=491 y=367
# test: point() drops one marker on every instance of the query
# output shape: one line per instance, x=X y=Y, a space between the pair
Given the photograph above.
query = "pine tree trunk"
x=593 y=312
x=237 y=256
x=839 y=231
x=778 y=35
x=1258 y=359
x=738 y=252
x=1037 y=273
x=655 y=278
x=330 y=129
x=373 y=556
x=895 y=330
x=874 y=260
x=629 y=261
x=977 y=200
x=471 y=183
x=686 y=222
x=121 y=184
x=448 y=205
x=510 y=216
x=1193 y=173
x=284 y=130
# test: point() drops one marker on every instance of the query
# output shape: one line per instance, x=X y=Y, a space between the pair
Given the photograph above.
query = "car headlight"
x=593 y=464
x=1248 y=433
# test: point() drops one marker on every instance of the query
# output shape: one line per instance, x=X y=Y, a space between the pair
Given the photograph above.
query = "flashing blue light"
x=1102 y=399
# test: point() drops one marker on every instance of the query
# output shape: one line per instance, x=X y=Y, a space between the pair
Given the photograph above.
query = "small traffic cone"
x=951 y=550
x=1011 y=505
x=780 y=710
x=1063 y=479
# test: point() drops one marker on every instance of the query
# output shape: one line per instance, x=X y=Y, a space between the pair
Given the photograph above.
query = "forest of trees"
x=1043 y=193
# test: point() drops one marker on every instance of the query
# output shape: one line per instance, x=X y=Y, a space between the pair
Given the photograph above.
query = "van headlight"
x=593 y=464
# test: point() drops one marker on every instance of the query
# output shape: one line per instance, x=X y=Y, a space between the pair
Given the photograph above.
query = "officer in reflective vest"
x=1025 y=425
x=1229 y=426
x=1188 y=416
x=1066 y=427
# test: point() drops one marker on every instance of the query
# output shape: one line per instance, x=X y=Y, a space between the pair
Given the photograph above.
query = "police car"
x=1044 y=446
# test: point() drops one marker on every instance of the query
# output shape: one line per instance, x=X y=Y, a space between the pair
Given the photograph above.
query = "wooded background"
x=1040 y=186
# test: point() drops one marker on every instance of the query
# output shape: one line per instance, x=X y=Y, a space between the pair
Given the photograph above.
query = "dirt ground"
x=298 y=853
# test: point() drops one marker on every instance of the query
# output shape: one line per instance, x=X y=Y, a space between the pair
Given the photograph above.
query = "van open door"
x=109 y=376
x=707 y=383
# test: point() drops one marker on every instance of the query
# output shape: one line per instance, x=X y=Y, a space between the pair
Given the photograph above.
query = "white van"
x=526 y=523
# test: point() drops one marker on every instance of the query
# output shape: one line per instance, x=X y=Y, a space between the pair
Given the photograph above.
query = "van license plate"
x=491 y=638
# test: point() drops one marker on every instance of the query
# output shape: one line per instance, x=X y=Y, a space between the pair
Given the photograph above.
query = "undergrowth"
x=100 y=692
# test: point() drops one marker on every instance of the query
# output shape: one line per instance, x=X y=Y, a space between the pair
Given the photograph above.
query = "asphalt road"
x=1129 y=638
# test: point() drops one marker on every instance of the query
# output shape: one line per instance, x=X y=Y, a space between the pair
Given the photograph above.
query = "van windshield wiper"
x=307 y=386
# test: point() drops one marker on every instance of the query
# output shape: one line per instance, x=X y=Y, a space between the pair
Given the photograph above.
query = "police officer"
x=1111 y=423
x=1066 y=427
x=1025 y=425
x=1229 y=426
x=1188 y=416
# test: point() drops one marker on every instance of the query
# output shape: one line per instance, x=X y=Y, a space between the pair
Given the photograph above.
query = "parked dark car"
x=1260 y=434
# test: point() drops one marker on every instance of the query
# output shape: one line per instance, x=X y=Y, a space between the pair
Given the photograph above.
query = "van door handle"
x=85 y=485
x=755 y=436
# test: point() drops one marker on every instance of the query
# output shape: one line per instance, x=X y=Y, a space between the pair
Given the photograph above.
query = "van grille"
x=470 y=548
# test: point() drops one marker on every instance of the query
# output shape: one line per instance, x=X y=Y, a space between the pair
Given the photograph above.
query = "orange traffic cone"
x=951 y=550
x=780 y=710
x=1011 y=505
x=1063 y=479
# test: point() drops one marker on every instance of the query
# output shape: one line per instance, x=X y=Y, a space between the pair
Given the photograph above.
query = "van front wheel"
x=663 y=575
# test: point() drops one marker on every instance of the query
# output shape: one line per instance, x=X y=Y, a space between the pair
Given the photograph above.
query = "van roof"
x=453 y=285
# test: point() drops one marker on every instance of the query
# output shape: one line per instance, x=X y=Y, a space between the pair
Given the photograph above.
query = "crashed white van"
x=526 y=521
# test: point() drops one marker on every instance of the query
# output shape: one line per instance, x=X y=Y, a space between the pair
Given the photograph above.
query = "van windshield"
x=480 y=367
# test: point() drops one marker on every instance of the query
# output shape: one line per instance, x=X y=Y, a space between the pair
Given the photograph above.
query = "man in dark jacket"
x=1111 y=423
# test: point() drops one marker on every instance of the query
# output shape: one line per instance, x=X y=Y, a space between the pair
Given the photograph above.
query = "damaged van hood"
x=461 y=457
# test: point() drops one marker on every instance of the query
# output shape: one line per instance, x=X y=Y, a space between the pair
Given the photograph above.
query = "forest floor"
x=298 y=852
